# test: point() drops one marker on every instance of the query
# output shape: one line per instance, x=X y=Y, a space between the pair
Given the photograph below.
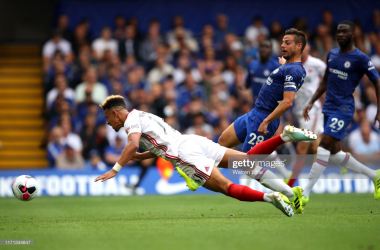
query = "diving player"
x=196 y=157
x=345 y=67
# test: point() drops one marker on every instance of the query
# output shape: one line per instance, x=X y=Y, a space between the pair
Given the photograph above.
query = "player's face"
x=265 y=49
x=288 y=47
x=113 y=119
x=344 y=34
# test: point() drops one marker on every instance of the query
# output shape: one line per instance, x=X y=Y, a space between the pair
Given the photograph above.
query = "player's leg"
x=217 y=182
x=315 y=124
x=346 y=160
x=321 y=163
x=229 y=137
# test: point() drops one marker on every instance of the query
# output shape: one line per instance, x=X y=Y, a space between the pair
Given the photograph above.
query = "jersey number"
x=340 y=124
x=159 y=123
x=259 y=138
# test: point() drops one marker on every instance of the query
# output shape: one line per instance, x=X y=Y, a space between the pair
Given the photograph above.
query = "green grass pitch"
x=341 y=221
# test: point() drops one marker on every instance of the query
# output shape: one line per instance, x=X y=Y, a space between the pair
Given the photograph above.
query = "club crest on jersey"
x=370 y=65
x=275 y=71
x=288 y=78
x=347 y=64
x=266 y=72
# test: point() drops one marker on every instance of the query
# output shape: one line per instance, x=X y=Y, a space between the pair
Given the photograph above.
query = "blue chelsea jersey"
x=258 y=74
x=344 y=73
x=288 y=77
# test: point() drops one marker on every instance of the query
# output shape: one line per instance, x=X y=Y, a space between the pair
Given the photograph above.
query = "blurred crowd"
x=196 y=83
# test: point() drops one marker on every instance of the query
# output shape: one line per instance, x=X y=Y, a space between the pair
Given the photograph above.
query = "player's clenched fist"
x=110 y=174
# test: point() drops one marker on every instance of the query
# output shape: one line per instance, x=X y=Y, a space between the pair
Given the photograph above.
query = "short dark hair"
x=299 y=35
x=114 y=101
x=267 y=40
x=349 y=23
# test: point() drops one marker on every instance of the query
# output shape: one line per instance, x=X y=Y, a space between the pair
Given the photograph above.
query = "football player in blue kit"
x=259 y=70
x=275 y=97
x=345 y=67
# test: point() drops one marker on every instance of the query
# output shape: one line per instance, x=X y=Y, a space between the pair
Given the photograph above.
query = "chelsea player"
x=345 y=67
x=275 y=98
x=259 y=70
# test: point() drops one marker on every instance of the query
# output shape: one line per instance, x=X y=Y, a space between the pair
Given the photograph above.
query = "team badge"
x=288 y=78
x=275 y=71
x=266 y=72
x=347 y=64
x=370 y=64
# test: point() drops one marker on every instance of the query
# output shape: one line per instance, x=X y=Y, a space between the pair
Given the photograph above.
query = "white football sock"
x=270 y=180
x=267 y=198
x=281 y=170
x=350 y=163
x=317 y=169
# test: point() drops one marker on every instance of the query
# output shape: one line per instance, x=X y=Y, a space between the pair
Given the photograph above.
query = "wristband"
x=117 y=167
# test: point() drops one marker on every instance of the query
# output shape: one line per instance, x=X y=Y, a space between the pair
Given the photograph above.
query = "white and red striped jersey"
x=315 y=69
x=157 y=136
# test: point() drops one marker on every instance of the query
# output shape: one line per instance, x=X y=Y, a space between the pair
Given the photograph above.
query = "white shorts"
x=315 y=124
x=198 y=156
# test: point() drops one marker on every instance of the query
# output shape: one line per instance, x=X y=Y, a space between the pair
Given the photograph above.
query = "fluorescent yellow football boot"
x=191 y=184
x=297 y=199
x=376 y=182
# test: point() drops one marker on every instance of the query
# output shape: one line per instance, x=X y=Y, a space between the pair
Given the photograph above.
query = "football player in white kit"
x=315 y=69
x=195 y=157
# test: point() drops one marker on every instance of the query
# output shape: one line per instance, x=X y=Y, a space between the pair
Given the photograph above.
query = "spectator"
x=178 y=22
x=254 y=30
x=103 y=43
x=101 y=139
x=60 y=88
x=79 y=38
x=276 y=35
x=328 y=22
x=70 y=159
x=148 y=46
x=200 y=127
x=91 y=85
x=95 y=162
x=189 y=90
x=88 y=135
x=112 y=153
x=179 y=73
x=54 y=44
x=129 y=45
x=54 y=147
x=158 y=102
x=70 y=138
x=361 y=40
x=180 y=40
x=118 y=34
x=375 y=21
x=63 y=26
x=222 y=28
x=209 y=64
x=365 y=143
x=160 y=71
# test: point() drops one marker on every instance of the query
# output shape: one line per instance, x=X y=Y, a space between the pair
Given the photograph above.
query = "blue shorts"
x=336 y=125
x=246 y=127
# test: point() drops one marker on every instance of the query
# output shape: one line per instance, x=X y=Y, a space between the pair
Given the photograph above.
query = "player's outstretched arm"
x=127 y=154
x=281 y=109
x=321 y=89
x=376 y=82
